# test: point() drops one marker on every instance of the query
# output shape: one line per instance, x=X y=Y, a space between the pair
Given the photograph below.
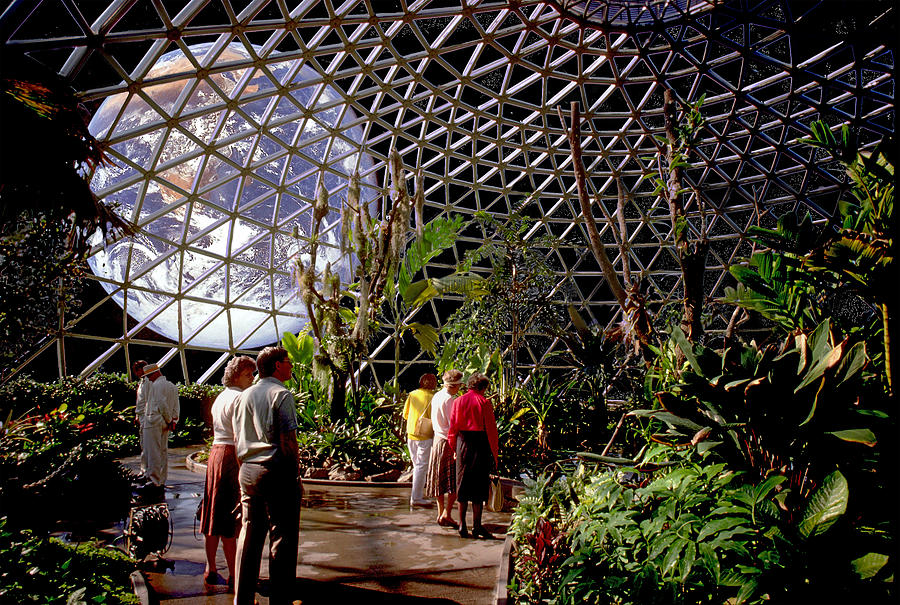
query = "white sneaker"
x=413 y=502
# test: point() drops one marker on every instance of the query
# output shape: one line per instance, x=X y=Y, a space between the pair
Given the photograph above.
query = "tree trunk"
x=693 y=267
x=338 y=409
x=584 y=199
x=692 y=258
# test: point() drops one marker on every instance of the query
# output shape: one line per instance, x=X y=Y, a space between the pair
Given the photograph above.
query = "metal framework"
x=220 y=116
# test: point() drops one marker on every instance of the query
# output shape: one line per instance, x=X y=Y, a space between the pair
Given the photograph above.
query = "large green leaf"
x=668 y=418
x=710 y=561
x=854 y=361
x=673 y=556
x=418 y=293
x=291 y=345
x=819 y=342
x=687 y=348
x=687 y=561
x=825 y=506
x=439 y=234
x=467 y=284
x=867 y=566
x=822 y=363
x=305 y=349
x=761 y=491
x=864 y=436
x=426 y=335
x=714 y=527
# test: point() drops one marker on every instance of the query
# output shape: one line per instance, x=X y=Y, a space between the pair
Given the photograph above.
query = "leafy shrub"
x=107 y=403
x=53 y=466
x=699 y=534
x=369 y=444
x=46 y=570
x=25 y=395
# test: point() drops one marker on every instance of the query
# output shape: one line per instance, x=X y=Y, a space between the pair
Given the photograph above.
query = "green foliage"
x=405 y=297
x=795 y=407
x=853 y=264
x=776 y=285
x=46 y=570
x=52 y=466
x=825 y=506
x=438 y=235
x=699 y=534
x=309 y=387
x=367 y=445
x=762 y=443
x=517 y=301
x=39 y=277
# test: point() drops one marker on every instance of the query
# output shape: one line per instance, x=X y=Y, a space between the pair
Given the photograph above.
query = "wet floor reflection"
x=363 y=502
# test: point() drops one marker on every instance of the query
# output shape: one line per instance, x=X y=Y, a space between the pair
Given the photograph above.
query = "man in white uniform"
x=140 y=408
x=162 y=411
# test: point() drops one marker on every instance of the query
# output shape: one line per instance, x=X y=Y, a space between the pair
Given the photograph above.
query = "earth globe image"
x=222 y=194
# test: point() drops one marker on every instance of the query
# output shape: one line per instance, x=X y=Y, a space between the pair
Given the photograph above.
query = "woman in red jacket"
x=473 y=438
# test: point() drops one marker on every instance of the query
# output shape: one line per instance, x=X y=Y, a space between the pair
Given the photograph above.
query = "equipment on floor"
x=148 y=530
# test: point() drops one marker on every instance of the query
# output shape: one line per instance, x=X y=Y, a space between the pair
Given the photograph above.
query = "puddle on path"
x=360 y=502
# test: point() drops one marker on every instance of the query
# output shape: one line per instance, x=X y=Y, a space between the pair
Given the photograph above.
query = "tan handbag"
x=495 y=496
x=423 y=428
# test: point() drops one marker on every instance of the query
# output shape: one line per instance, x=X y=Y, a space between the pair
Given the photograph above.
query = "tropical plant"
x=405 y=297
x=853 y=263
x=47 y=210
x=539 y=399
x=516 y=302
x=776 y=284
x=699 y=533
x=770 y=409
x=38 y=569
x=64 y=456
x=310 y=396
x=364 y=446
x=862 y=252
x=341 y=333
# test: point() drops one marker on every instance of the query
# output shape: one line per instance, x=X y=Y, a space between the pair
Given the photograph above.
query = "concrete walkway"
x=357 y=545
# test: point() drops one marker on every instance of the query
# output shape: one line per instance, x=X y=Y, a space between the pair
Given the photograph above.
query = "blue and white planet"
x=219 y=191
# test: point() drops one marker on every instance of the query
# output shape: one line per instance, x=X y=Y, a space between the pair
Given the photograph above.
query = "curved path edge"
x=199 y=467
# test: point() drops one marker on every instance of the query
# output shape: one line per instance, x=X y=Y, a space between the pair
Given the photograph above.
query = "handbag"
x=423 y=428
x=495 y=496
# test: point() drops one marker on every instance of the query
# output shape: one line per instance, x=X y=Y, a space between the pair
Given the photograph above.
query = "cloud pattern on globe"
x=219 y=193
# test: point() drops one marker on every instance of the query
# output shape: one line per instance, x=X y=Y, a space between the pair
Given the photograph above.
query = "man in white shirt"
x=265 y=440
x=161 y=416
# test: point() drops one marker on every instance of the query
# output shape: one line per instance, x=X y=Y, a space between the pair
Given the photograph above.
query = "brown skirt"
x=441 y=476
x=220 y=513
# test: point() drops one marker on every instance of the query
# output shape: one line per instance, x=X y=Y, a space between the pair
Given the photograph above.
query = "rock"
x=315 y=473
x=388 y=476
x=339 y=473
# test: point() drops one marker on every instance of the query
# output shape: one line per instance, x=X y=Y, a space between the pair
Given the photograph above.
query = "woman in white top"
x=219 y=513
x=441 y=476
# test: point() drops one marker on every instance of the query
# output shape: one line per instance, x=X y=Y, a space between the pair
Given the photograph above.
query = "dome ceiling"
x=220 y=116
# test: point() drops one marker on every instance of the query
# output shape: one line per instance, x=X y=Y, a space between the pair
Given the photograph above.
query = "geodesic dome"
x=220 y=116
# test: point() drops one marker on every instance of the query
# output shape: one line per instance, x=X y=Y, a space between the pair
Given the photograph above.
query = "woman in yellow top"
x=418 y=404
